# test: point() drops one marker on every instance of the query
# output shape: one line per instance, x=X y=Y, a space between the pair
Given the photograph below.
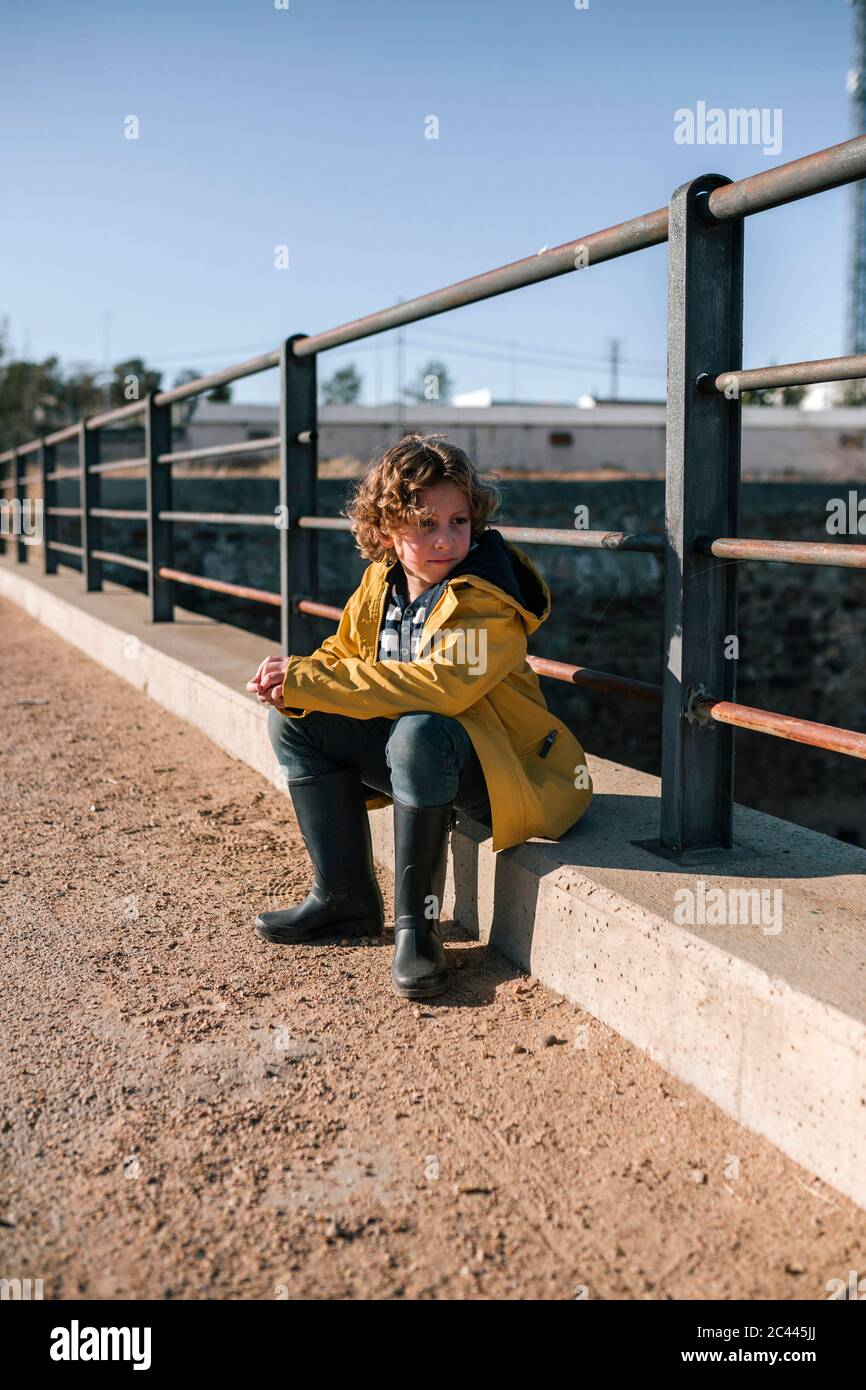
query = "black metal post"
x=298 y=469
x=160 y=538
x=47 y=464
x=91 y=496
x=705 y=334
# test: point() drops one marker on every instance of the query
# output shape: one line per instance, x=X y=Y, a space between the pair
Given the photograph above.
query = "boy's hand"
x=267 y=683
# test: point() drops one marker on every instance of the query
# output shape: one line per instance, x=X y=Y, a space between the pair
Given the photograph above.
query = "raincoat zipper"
x=427 y=620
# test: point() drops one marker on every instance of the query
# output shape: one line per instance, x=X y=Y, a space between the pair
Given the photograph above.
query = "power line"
x=579 y=359
x=532 y=362
x=157 y=357
x=552 y=351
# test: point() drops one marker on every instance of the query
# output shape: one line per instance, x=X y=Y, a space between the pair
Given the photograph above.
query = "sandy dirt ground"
x=188 y=1112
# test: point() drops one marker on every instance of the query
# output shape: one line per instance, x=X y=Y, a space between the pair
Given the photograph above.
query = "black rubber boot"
x=419 y=968
x=345 y=896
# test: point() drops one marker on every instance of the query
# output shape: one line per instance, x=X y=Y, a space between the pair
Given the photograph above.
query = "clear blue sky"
x=305 y=127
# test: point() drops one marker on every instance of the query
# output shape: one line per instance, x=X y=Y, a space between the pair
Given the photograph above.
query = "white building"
x=777 y=441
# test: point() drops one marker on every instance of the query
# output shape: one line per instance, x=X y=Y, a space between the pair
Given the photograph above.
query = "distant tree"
x=81 y=394
x=343 y=388
x=433 y=385
x=38 y=397
x=32 y=396
x=776 y=395
x=851 y=392
x=132 y=380
x=793 y=395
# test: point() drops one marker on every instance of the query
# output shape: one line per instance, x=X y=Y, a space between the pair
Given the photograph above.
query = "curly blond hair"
x=386 y=496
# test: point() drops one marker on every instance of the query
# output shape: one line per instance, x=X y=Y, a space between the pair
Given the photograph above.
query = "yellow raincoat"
x=490 y=603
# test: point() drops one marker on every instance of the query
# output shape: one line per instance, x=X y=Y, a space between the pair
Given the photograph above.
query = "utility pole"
x=106 y=355
x=400 y=369
x=614 y=368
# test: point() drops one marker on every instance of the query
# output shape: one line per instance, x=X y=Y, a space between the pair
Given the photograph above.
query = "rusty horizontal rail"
x=221 y=518
x=63 y=473
x=63 y=511
x=318 y=609
x=8 y=455
x=324 y=523
x=67 y=549
x=120 y=513
x=221 y=586
x=785 y=726
x=814 y=173
x=636 y=234
x=114 y=559
x=250 y=367
x=178 y=393
x=252 y=446
x=117 y=465
x=786 y=183
x=838 y=553
x=603 y=682
x=647 y=541
x=787 y=374
x=117 y=412
x=60 y=436
x=535 y=535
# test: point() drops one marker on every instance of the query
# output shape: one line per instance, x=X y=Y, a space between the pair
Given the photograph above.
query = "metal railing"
x=704 y=225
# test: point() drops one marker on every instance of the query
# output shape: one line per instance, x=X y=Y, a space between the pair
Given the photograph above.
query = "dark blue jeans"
x=422 y=758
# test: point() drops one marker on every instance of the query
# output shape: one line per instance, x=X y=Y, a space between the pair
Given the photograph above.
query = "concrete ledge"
x=767 y=1018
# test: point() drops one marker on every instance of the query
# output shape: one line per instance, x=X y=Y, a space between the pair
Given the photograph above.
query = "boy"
x=423 y=695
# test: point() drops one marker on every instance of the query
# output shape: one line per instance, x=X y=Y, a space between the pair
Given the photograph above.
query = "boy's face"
x=430 y=551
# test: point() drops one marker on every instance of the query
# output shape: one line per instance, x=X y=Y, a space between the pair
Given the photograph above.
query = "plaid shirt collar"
x=403 y=621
